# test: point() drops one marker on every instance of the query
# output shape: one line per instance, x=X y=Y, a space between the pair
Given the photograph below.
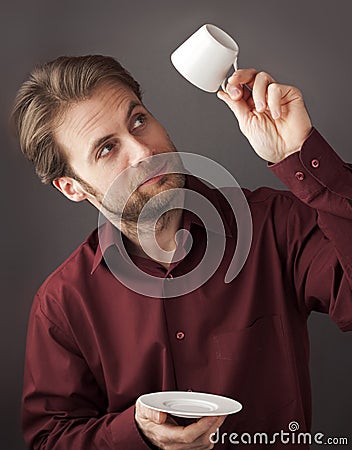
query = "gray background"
x=306 y=43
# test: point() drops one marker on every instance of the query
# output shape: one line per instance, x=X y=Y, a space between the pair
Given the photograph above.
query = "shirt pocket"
x=254 y=366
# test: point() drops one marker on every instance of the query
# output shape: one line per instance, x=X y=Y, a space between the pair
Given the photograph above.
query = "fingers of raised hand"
x=236 y=84
x=274 y=100
x=260 y=91
x=259 y=88
x=243 y=76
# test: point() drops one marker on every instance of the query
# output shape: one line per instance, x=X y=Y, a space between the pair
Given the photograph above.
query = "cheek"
x=107 y=180
x=101 y=180
x=162 y=139
x=111 y=171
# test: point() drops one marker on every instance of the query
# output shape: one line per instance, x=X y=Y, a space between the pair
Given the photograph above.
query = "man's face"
x=108 y=133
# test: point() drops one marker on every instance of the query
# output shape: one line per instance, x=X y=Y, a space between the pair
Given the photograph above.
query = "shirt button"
x=189 y=390
x=180 y=335
x=315 y=163
x=300 y=176
x=170 y=276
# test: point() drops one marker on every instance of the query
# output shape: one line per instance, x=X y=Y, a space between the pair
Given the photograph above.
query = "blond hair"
x=42 y=100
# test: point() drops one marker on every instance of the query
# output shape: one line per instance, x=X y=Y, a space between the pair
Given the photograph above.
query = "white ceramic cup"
x=206 y=57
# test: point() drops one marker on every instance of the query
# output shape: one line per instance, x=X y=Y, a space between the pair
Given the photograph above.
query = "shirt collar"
x=109 y=235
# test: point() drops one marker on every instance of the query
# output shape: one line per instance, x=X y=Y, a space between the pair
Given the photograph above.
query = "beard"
x=128 y=200
x=147 y=205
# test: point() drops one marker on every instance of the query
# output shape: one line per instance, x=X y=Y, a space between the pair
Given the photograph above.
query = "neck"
x=154 y=242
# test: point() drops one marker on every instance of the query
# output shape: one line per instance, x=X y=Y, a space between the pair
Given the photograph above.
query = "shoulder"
x=269 y=196
x=262 y=195
x=263 y=201
x=75 y=268
x=279 y=207
x=266 y=205
x=277 y=202
x=66 y=287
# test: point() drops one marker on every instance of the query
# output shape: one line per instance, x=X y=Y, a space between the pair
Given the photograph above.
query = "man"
x=95 y=345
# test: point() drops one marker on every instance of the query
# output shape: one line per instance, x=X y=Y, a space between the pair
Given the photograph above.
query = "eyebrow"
x=98 y=142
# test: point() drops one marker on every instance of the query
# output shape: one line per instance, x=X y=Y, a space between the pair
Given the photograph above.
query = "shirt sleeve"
x=63 y=407
x=320 y=244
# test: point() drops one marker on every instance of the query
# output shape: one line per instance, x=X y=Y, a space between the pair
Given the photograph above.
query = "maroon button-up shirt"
x=94 y=346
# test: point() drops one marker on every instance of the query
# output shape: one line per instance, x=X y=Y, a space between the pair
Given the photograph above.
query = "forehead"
x=104 y=99
x=86 y=119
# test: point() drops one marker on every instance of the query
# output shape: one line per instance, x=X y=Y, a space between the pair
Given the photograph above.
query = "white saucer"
x=192 y=405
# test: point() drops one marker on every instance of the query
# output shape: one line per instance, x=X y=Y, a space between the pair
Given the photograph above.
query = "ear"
x=70 y=188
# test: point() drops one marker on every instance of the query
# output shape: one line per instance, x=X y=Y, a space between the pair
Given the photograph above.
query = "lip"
x=155 y=176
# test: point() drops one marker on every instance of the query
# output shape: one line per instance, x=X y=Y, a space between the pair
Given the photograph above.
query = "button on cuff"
x=300 y=176
x=315 y=163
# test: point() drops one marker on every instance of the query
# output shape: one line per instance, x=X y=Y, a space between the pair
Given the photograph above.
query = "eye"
x=105 y=150
x=139 y=121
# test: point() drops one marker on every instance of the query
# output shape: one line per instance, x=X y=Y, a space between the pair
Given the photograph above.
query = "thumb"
x=239 y=107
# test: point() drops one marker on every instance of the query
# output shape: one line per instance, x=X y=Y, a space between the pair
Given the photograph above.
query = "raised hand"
x=272 y=116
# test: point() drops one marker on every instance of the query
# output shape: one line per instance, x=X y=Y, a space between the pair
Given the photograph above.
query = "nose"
x=139 y=151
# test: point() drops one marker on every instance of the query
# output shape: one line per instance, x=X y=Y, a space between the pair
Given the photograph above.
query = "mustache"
x=153 y=167
x=152 y=172
x=126 y=184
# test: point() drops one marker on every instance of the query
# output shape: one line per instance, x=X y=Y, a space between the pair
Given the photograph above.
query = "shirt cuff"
x=313 y=169
x=125 y=433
